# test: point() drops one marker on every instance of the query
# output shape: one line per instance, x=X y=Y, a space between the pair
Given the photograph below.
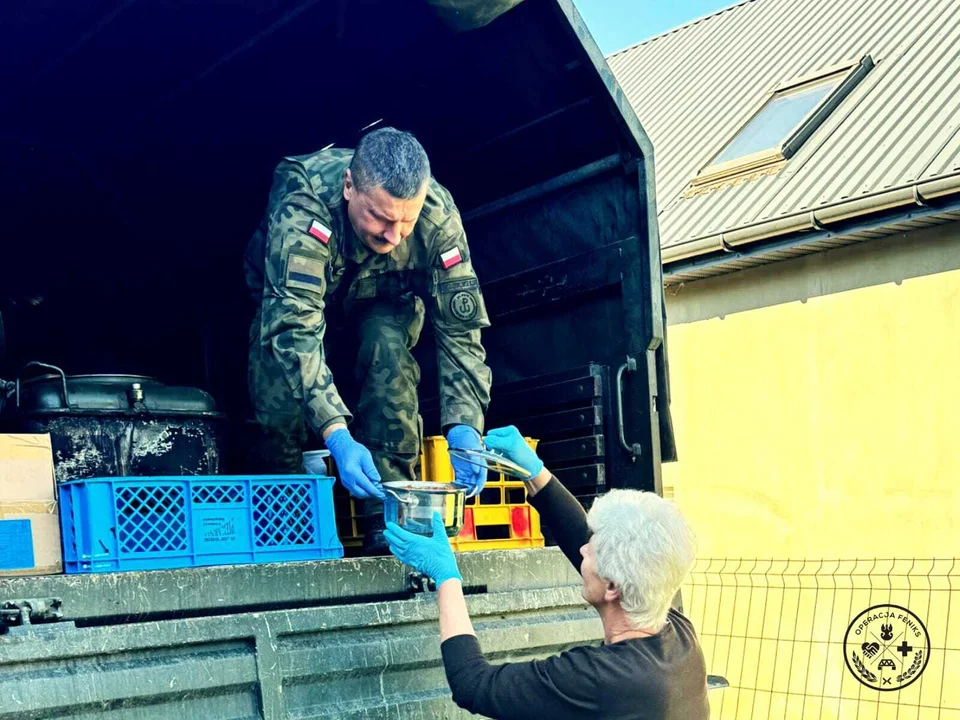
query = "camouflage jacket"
x=298 y=256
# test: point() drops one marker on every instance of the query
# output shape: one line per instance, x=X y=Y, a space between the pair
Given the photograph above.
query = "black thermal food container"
x=115 y=425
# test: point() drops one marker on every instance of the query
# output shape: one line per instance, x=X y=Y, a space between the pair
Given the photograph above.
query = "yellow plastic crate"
x=474 y=545
x=499 y=518
x=435 y=460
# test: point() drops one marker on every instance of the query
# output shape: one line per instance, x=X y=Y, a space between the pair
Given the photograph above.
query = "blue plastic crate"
x=159 y=523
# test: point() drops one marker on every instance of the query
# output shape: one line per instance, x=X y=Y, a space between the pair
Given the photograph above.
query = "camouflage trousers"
x=381 y=390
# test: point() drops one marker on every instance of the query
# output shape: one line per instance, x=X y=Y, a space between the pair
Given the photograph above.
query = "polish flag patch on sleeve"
x=320 y=231
x=451 y=258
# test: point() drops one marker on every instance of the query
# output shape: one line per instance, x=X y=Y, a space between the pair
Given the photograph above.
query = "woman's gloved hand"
x=473 y=477
x=357 y=472
x=511 y=444
x=432 y=555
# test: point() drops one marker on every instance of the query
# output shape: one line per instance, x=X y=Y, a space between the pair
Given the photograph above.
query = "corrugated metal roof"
x=696 y=86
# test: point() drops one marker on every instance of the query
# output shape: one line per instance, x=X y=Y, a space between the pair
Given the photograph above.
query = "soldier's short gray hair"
x=645 y=547
x=391 y=159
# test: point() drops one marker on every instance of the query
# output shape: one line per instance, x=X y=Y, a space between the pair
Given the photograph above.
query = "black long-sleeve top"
x=658 y=677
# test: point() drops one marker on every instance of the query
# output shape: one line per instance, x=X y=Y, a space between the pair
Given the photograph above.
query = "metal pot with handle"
x=411 y=505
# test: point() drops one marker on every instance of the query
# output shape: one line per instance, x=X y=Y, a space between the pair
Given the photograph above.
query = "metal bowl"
x=320 y=456
x=411 y=505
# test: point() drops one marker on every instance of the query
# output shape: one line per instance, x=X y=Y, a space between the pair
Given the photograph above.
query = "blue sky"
x=615 y=24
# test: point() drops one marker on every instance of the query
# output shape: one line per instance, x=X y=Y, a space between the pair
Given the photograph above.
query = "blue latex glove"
x=357 y=471
x=473 y=477
x=432 y=555
x=511 y=444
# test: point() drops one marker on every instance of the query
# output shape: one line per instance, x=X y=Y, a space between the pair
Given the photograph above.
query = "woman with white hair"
x=633 y=551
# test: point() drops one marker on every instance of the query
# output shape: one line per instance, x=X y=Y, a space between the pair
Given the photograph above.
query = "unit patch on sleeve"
x=304 y=273
x=463 y=306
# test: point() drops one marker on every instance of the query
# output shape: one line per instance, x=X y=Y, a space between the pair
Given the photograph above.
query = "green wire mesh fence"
x=800 y=639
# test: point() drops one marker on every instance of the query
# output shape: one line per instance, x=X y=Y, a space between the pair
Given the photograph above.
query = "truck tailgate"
x=299 y=640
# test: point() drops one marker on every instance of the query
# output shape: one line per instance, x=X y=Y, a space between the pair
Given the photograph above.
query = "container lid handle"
x=44 y=366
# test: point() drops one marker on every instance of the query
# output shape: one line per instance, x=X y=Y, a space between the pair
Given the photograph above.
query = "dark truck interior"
x=137 y=142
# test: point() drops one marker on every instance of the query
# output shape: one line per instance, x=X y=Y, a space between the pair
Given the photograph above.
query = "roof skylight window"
x=782 y=122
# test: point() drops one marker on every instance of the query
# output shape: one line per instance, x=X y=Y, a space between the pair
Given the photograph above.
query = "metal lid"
x=493 y=461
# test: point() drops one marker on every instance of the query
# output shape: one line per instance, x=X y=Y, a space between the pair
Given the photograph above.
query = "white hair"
x=644 y=547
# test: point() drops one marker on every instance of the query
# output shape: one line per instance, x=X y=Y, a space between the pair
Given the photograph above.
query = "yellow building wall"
x=820 y=468
x=825 y=428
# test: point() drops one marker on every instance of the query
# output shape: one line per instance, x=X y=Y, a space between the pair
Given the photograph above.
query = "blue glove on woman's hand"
x=357 y=472
x=511 y=444
x=473 y=477
x=432 y=556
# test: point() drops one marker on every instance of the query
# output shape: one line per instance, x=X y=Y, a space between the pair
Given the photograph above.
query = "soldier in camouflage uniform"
x=371 y=234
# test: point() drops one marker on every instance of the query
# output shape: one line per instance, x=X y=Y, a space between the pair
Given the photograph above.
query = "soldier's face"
x=380 y=220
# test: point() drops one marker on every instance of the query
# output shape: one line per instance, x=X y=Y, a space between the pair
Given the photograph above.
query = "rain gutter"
x=915 y=194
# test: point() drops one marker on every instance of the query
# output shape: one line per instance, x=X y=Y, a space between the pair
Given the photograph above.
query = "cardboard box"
x=29 y=523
